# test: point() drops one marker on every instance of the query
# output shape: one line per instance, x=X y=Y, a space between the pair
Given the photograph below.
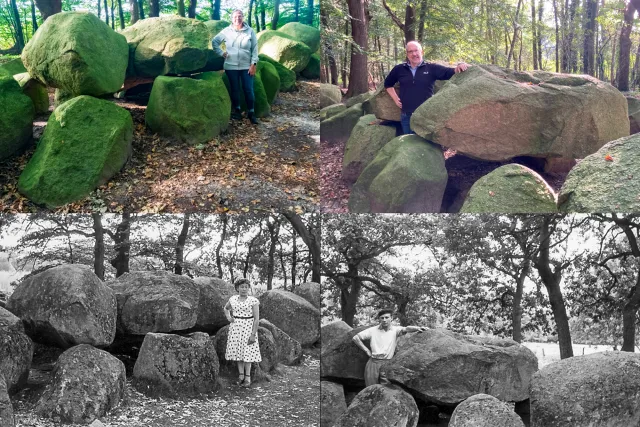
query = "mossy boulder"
x=215 y=62
x=61 y=96
x=312 y=70
x=261 y=105
x=34 y=90
x=16 y=117
x=215 y=26
x=305 y=33
x=633 y=105
x=331 y=110
x=366 y=140
x=329 y=95
x=270 y=79
x=167 y=45
x=79 y=53
x=287 y=77
x=13 y=67
x=510 y=189
x=86 y=141
x=288 y=51
x=606 y=181
x=191 y=110
x=337 y=128
x=407 y=175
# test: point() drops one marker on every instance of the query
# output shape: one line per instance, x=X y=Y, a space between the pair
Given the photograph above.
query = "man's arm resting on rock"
x=356 y=339
x=412 y=329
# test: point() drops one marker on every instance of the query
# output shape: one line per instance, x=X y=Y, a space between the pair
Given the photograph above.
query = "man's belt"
x=238 y=317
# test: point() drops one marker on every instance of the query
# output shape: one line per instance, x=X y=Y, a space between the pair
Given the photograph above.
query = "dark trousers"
x=405 y=121
x=237 y=78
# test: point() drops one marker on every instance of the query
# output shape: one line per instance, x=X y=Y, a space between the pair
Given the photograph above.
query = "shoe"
x=247 y=381
x=240 y=379
x=252 y=118
x=236 y=115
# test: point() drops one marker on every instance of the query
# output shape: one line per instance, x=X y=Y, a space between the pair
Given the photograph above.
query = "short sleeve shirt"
x=243 y=308
x=381 y=342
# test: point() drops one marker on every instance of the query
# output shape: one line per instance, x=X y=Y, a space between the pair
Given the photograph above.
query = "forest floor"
x=291 y=398
x=463 y=173
x=265 y=168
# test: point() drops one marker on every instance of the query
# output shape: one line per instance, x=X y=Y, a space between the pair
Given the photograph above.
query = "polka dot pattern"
x=240 y=330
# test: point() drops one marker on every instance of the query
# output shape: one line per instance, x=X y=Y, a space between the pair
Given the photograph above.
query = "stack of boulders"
x=436 y=368
x=493 y=114
x=178 y=323
x=85 y=61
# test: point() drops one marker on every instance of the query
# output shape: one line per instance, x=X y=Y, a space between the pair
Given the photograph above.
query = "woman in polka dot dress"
x=243 y=312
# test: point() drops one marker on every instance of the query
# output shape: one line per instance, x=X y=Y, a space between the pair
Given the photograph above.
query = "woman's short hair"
x=241 y=282
x=384 y=311
x=237 y=11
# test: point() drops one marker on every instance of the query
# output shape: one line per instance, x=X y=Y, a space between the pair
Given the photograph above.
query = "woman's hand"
x=252 y=339
x=224 y=55
x=252 y=70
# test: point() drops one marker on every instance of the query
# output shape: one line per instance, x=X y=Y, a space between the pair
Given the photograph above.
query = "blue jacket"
x=416 y=90
x=242 y=47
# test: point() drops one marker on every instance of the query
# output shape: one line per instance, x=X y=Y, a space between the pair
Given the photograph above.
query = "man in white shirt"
x=382 y=340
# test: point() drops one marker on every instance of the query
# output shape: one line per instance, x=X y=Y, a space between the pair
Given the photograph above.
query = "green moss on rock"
x=16 y=117
x=305 y=33
x=287 y=77
x=14 y=66
x=191 y=110
x=34 y=90
x=337 y=128
x=366 y=140
x=288 y=51
x=270 y=79
x=86 y=141
x=79 y=53
x=510 y=189
x=261 y=107
x=312 y=70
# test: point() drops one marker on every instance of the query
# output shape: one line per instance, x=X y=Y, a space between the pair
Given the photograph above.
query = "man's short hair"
x=384 y=311
x=414 y=42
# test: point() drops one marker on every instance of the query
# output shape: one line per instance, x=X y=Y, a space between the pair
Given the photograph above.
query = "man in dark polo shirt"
x=416 y=79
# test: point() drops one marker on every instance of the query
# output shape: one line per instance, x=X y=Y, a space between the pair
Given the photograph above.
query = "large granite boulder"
x=288 y=51
x=289 y=350
x=407 y=175
x=34 y=90
x=383 y=105
x=482 y=410
x=269 y=350
x=6 y=409
x=305 y=33
x=633 y=106
x=215 y=26
x=167 y=45
x=598 y=389
x=86 y=384
x=330 y=111
x=65 y=306
x=16 y=118
x=214 y=294
x=287 y=77
x=445 y=368
x=312 y=70
x=16 y=352
x=367 y=138
x=270 y=79
x=332 y=403
x=13 y=67
x=494 y=113
x=79 y=53
x=155 y=301
x=329 y=95
x=331 y=332
x=86 y=142
x=338 y=126
x=191 y=110
x=363 y=98
x=309 y=291
x=380 y=406
x=340 y=359
x=510 y=188
x=606 y=181
x=172 y=365
x=297 y=317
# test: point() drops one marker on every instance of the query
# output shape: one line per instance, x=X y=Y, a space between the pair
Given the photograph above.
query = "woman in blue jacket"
x=240 y=62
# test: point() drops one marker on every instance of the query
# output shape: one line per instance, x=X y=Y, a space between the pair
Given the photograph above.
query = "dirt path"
x=291 y=398
x=265 y=168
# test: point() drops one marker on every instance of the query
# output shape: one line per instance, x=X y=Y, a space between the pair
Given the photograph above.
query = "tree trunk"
x=629 y=313
x=225 y=221
x=215 y=10
x=263 y=16
x=534 y=34
x=296 y=10
x=328 y=49
x=34 y=21
x=274 y=231
x=515 y=34
x=192 y=9
x=409 y=23
x=250 y=11
x=18 y=27
x=625 y=49
x=154 y=8
x=99 y=8
x=255 y=13
x=311 y=239
x=135 y=11
x=98 y=248
x=540 y=28
x=276 y=15
x=106 y=12
x=181 y=8
x=310 y=12
x=349 y=299
x=344 y=56
x=588 y=55
x=122 y=245
x=358 y=73
x=571 y=54
x=555 y=16
x=48 y=8
x=182 y=240
x=421 y=20
x=612 y=75
x=141 y=8
x=516 y=318
x=113 y=19
x=121 y=14
x=294 y=259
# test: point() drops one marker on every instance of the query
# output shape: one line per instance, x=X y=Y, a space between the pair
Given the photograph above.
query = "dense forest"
x=19 y=19
x=523 y=277
x=364 y=39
